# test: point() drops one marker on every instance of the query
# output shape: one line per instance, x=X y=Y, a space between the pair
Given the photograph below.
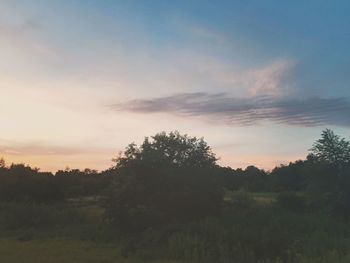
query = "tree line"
x=173 y=178
x=169 y=199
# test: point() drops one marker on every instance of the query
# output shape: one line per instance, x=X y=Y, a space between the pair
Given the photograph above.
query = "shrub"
x=243 y=200
x=291 y=201
x=26 y=215
x=151 y=199
x=340 y=205
x=31 y=215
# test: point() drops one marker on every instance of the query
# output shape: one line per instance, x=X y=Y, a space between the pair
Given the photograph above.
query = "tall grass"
x=248 y=231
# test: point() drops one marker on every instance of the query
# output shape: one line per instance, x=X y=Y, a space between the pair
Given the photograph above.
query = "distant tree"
x=89 y=171
x=22 y=170
x=23 y=183
x=251 y=170
x=2 y=163
x=291 y=177
x=332 y=149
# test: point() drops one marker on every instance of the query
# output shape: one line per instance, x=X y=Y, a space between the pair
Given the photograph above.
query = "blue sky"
x=258 y=79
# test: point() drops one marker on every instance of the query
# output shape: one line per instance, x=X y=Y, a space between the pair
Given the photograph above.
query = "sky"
x=259 y=80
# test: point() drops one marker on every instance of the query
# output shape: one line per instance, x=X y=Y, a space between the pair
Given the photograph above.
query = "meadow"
x=254 y=228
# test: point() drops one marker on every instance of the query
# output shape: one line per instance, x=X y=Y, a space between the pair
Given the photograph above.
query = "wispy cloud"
x=40 y=148
x=269 y=79
x=207 y=34
x=26 y=35
x=274 y=78
x=236 y=111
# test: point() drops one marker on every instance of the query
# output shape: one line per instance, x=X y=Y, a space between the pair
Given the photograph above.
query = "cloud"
x=26 y=35
x=207 y=34
x=268 y=79
x=39 y=148
x=221 y=107
x=274 y=78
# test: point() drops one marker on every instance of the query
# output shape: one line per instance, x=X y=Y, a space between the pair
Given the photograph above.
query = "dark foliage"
x=291 y=201
x=24 y=215
x=156 y=184
x=331 y=149
x=22 y=183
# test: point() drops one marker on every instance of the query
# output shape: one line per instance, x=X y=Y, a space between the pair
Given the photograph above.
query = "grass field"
x=89 y=240
x=263 y=198
x=61 y=251
x=67 y=244
x=56 y=250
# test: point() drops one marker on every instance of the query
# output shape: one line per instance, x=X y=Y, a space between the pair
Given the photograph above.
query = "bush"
x=38 y=188
x=151 y=199
x=31 y=215
x=243 y=200
x=340 y=205
x=28 y=216
x=291 y=201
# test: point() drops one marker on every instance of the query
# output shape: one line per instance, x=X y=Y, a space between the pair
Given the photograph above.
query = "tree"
x=172 y=149
x=331 y=155
x=331 y=149
x=168 y=179
x=2 y=163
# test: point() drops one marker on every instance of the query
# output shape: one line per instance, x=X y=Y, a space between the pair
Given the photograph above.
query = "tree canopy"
x=169 y=178
x=170 y=150
x=331 y=148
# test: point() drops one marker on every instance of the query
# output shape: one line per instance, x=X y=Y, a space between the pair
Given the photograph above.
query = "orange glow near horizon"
x=54 y=163
x=102 y=161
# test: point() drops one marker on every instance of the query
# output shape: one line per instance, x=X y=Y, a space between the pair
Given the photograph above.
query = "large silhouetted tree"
x=168 y=179
x=169 y=150
x=332 y=154
x=332 y=149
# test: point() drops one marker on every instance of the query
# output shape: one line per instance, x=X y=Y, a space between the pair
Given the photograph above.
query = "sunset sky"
x=259 y=80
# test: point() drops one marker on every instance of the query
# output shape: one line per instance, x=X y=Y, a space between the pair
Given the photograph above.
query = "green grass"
x=263 y=198
x=62 y=251
x=56 y=250
x=251 y=228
